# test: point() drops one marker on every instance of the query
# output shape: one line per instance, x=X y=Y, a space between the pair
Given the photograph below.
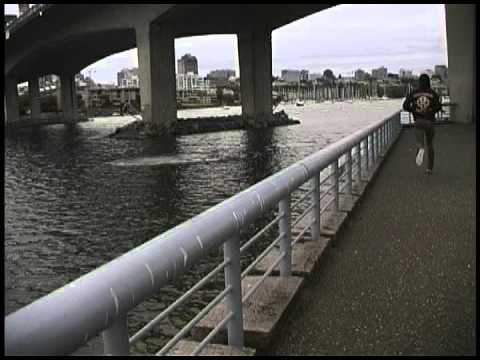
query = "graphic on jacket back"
x=422 y=104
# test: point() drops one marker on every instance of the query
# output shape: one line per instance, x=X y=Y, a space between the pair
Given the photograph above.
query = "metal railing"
x=98 y=302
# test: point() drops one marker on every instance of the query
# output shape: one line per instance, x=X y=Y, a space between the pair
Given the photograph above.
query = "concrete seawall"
x=44 y=120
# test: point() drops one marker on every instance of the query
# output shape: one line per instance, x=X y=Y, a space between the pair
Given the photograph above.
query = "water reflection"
x=261 y=150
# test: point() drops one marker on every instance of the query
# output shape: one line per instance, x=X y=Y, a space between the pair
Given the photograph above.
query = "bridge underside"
x=71 y=55
x=75 y=36
x=74 y=51
x=108 y=29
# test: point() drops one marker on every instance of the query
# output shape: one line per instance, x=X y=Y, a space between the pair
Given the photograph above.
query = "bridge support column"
x=255 y=55
x=156 y=63
x=34 y=94
x=461 y=43
x=12 y=111
x=68 y=97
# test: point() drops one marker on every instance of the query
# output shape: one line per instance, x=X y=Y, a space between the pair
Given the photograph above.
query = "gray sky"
x=343 y=38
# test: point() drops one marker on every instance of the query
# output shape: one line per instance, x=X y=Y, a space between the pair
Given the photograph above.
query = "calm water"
x=75 y=200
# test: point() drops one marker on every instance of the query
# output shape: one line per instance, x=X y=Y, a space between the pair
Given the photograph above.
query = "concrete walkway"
x=401 y=279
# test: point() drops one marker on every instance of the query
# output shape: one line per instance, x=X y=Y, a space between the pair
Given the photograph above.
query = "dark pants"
x=424 y=132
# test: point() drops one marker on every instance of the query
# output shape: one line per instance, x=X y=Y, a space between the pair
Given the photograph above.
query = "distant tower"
x=23 y=8
x=187 y=63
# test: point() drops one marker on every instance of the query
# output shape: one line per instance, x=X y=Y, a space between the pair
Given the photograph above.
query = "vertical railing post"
x=375 y=146
x=286 y=234
x=359 y=162
x=378 y=141
x=387 y=138
x=372 y=150
x=315 y=228
x=380 y=134
x=336 y=179
x=393 y=130
x=115 y=338
x=367 y=154
x=349 y=169
x=231 y=251
x=399 y=126
x=386 y=135
x=384 y=138
x=390 y=132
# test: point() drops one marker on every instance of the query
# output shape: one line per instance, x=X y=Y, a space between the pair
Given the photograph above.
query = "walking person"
x=423 y=103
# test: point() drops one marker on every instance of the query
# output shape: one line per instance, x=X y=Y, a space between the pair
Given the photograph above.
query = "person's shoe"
x=419 y=159
x=429 y=171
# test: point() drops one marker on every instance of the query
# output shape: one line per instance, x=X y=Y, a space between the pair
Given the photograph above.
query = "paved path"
x=402 y=278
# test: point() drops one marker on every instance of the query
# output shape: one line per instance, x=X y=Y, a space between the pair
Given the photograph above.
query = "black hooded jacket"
x=423 y=103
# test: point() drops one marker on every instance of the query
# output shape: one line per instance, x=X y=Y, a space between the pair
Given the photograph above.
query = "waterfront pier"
x=396 y=266
x=366 y=254
x=401 y=279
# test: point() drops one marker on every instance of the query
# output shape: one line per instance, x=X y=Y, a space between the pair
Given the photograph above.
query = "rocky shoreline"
x=139 y=129
x=25 y=121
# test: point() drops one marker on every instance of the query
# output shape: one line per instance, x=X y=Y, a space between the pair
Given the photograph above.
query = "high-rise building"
x=220 y=77
x=303 y=75
x=380 y=73
x=315 y=76
x=96 y=97
x=360 y=75
x=405 y=74
x=187 y=63
x=23 y=8
x=192 y=82
x=221 y=74
x=128 y=78
x=442 y=71
x=291 y=75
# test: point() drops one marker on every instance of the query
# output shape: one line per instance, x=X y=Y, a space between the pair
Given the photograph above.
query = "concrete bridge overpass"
x=67 y=38
x=70 y=37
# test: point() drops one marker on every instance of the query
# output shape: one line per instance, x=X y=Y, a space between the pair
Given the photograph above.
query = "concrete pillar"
x=156 y=69
x=58 y=95
x=255 y=55
x=68 y=97
x=34 y=94
x=461 y=45
x=12 y=111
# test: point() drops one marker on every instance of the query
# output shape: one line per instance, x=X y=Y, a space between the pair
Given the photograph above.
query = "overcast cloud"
x=343 y=38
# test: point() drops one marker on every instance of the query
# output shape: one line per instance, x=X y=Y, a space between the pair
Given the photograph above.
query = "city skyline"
x=365 y=36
